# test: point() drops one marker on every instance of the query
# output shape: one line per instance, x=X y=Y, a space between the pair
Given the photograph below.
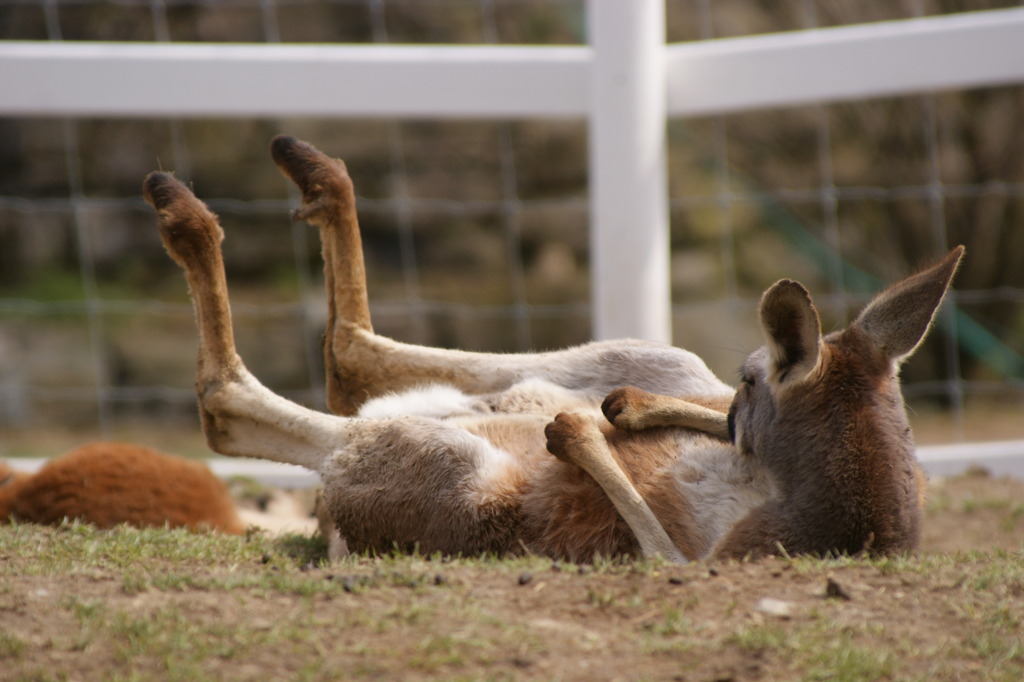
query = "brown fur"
x=825 y=416
x=633 y=409
x=647 y=459
x=326 y=191
x=824 y=461
x=108 y=484
x=567 y=514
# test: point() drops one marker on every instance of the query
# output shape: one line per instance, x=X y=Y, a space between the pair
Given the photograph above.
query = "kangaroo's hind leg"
x=329 y=203
x=239 y=415
x=360 y=364
x=363 y=365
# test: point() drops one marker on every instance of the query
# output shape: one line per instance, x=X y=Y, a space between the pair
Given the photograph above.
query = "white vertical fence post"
x=628 y=177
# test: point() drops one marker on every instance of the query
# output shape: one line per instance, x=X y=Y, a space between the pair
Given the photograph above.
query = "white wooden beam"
x=181 y=80
x=850 y=62
x=968 y=50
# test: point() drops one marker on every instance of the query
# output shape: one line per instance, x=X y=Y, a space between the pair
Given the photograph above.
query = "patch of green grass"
x=435 y=652
x=760 y=638
x=601 y=598
x=1001 y=572
x=841 y=660
x=939 y=500
x=821 y=650
x=74 y=544
x=134 y=583
x=11 y=646
x=40 y=675
x=84 y=611
x=674 y=621
x=972 y=505
x=1001 y=651
x=1012 y=519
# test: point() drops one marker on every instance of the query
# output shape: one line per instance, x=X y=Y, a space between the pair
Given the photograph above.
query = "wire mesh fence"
x=476 y=231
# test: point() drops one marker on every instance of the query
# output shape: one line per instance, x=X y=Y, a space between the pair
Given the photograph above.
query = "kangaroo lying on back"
x=450 y=451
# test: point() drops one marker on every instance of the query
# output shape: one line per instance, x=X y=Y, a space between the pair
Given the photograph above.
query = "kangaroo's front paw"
x=627 y=408
x=569 y=434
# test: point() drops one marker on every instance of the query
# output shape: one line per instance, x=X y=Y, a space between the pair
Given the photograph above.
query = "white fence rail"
x=850 y=62
x=180 y=80
x=705 y=77
x=626 y=83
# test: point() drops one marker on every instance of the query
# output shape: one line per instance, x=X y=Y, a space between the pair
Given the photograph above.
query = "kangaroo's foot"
x=329 y=203
x=188 y=229
x=576 y=439
x=327 y=191
x=192 y=236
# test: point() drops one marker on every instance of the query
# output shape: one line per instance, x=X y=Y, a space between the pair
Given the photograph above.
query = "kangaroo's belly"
x=696 y=485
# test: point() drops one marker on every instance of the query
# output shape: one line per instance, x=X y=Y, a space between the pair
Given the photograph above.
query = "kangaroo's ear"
x=792 y=329
x=898 y=318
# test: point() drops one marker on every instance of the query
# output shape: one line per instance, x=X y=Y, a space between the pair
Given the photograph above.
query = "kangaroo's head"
x=825 y=416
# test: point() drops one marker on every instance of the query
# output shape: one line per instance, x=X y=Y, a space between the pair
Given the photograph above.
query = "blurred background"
x=476 y=231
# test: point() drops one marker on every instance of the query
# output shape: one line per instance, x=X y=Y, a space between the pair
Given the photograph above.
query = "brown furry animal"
x=107 y=484
x=449 y=451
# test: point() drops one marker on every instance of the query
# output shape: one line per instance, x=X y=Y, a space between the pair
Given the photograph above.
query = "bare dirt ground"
x=79 y=604
x=974 y=511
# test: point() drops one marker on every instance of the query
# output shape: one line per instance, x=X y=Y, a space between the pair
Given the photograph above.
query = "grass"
x=126 y=604
x=11 y=646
